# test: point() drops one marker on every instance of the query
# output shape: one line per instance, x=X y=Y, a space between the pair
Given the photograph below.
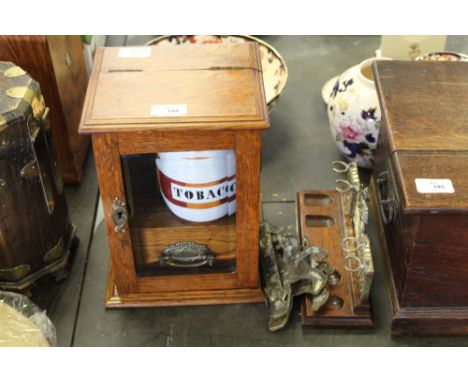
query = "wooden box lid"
x=439 y=168
x=200 y=86
x=424 y=104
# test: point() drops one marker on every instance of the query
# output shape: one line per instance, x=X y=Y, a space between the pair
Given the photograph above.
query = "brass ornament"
x=358 y=255
x=36 y=101
x=38 y=107
x=55 y=252
x=290 y=268
x=15 y=273
x=14 y=71
x=21 y=92
x=2 y=123
x=30 y=170
x=186 y=254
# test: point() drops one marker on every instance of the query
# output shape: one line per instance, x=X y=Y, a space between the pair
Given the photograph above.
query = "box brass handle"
x=36 y=168
x=387 y=207
x=186 y=254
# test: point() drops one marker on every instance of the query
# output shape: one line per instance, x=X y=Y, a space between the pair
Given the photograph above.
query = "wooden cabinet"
x=57 y=63
x=145 y=101
x=419 y=193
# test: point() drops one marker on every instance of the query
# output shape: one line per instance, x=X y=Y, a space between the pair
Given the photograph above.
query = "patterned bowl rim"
x=461 y=56
x=247 y=37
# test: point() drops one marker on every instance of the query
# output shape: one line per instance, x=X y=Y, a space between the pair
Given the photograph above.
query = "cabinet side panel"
x=66 y=54
x=248 y=151
x=438 y=268
x=111 y=185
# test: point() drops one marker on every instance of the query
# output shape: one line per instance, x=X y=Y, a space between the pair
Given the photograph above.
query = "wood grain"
x=110 y=179
x=222 y=89
x=63 y=87
x=167 y=58
x=433 y=165
x=148 y=142
x=248 y=152
x=66 y=54
x=416 y=320
x=227 y=99
x=423 y=102
x=352 y=313
x=27 y=229
x=423 y=135
x=154 y=298
x=154 y=230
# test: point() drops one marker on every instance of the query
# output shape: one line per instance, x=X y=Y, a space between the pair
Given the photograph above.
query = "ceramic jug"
x=354 y=113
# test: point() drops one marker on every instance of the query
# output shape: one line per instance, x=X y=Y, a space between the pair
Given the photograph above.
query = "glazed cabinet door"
x=172 y=214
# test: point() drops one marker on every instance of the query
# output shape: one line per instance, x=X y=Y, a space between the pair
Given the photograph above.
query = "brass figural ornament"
x=290 y=269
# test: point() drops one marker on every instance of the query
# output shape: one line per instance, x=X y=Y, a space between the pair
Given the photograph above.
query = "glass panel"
x=182 y=212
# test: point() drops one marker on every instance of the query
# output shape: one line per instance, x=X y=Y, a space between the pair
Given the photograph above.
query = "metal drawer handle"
x=186 y=254
x=387 y=207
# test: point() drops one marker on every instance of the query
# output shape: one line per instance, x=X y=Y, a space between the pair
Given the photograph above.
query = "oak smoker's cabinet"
x=146 y=103
x=419 y=192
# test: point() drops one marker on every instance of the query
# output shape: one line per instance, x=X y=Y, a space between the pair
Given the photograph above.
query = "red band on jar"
x=197 y=195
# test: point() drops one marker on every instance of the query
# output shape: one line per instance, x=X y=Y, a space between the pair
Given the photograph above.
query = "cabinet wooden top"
x=432 y=182
x=423 y=107
x=423 y=104
x=186 y=87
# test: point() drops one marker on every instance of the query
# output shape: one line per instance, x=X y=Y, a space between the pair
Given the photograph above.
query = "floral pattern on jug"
x=354 y=113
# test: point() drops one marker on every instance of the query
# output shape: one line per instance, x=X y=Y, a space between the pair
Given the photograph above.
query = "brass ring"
x=344 y=165
x=353 y=239
x=348 y=186
x=348 y=258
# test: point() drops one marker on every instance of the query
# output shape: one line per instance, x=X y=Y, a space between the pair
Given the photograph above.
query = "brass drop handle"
x=119 y=215
x=186 y=254
x=387 y=207
x=36 y=168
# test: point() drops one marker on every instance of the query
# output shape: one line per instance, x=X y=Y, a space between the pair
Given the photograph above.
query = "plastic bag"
x=22 y=323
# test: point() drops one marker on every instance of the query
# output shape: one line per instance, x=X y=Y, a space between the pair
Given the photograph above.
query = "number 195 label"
x=434 y=186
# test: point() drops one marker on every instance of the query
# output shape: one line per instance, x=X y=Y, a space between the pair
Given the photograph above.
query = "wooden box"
x=216 y=97
x=35 y=231
x=419 y=193
x=57 y=63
